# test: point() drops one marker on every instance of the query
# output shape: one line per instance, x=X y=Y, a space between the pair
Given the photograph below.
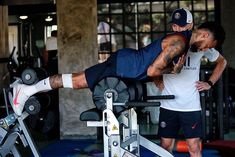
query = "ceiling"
x=29 y=7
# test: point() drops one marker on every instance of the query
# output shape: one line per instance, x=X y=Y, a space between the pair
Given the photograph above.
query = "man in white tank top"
x=185 y=110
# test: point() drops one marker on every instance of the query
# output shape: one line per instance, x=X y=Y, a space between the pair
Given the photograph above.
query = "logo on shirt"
x=163 y=124
x=177 y=16
x=194 y=126
x=187 y=65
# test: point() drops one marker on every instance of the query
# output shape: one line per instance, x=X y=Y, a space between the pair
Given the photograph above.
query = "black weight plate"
x=116 y=85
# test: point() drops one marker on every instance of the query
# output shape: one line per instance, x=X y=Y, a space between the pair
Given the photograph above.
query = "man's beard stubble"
x=195 y=46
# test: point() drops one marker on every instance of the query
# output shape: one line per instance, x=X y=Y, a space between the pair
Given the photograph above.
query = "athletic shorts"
x=170 y=123
x=99 y=71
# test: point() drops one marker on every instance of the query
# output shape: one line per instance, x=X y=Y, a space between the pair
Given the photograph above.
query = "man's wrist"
x=210 y=83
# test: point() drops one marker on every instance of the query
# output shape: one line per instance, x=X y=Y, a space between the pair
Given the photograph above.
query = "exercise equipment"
x=43 y=118
x=32 y=75
x=12 y=129
x=11 y=64
x=213 y=108
x=32 y=106
x=120 y=130
x=122 y=92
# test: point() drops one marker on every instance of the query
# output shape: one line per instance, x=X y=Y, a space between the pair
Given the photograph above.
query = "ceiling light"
x=48 y=19
x=23 y=17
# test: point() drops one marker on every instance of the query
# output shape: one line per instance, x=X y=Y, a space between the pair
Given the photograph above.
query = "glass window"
x=131 y=40
x=103 y=8
x=116 y=8
x=199 y=5
x=144 y=7
x=130 y=7
x=171 y=6
x=211 y=16
x=158 y=6
x=117 y=23
x=199 y=17
x=130 y=23
x=158 y=21
x=144 y=23
x=186 y=4
x=137 y=23
x=210 y=5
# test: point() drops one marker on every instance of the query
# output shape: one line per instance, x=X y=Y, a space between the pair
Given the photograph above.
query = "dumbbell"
x=32 y=75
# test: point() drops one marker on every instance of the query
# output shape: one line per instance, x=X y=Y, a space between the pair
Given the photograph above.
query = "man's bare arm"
x=219 y=68
x=216 y=74
x=172 y=46
x=78 y=81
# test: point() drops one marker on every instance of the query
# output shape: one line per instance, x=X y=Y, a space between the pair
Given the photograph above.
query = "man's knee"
x=167 y=143
x=194 y=146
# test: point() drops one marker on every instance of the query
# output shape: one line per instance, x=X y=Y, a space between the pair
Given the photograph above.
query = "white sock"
x=41 y=86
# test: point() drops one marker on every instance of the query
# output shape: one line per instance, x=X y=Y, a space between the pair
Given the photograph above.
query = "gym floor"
x=53 y=147
x=50 y=145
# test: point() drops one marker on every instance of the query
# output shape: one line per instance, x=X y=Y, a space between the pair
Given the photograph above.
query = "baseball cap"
x=181 y=17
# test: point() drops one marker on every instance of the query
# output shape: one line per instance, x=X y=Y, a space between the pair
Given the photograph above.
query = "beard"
x=195 y=46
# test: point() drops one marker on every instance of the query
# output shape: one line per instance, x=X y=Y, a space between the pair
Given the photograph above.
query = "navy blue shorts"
x=99 y=71
x=170 y=123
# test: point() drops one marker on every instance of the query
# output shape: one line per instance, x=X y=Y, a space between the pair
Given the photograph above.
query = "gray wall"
x=228 y=22
x=77 y=48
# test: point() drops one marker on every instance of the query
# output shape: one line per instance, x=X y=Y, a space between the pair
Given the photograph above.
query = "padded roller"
x=32 y=75
x=29 y=76
x=32 y=106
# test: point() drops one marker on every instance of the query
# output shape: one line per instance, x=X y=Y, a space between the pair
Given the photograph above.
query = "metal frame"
x=121 y=135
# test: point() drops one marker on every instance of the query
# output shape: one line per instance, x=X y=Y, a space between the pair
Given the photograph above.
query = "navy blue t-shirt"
x=133 y=63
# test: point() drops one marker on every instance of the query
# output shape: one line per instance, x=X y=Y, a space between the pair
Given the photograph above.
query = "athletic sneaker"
x=19 y=97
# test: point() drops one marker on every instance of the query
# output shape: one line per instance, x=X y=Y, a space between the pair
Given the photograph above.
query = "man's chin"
x=194 y=48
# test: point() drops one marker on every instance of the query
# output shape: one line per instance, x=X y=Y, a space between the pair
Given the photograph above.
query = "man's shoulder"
x=174 y=37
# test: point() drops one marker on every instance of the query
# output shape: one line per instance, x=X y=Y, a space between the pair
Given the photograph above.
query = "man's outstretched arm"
x=172 y=46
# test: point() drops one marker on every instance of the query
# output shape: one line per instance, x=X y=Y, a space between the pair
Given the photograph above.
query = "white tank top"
x=182 y=85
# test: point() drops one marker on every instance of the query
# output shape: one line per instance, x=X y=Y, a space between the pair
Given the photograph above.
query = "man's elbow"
x=152 y=72
x=225 y=62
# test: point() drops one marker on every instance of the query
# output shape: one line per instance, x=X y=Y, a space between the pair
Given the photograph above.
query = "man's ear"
x=205 y=34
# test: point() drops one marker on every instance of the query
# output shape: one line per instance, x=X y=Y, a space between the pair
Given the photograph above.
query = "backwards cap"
x=181 y=17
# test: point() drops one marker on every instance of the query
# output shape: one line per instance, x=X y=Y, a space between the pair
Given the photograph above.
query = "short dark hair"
x=216 y=29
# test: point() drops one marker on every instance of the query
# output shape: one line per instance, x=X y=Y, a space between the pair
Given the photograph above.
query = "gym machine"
x=117 y=100
x=13 y=128
x=213 y=108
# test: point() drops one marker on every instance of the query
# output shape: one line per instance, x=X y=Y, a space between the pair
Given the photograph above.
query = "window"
x=136 y=24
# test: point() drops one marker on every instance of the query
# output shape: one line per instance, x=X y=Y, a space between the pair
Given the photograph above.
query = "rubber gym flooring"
x=88 y=148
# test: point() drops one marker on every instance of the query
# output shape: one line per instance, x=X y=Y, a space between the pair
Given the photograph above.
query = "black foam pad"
x=91 y=115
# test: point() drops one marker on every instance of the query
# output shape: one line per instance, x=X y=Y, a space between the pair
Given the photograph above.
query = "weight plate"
x=115 y=85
